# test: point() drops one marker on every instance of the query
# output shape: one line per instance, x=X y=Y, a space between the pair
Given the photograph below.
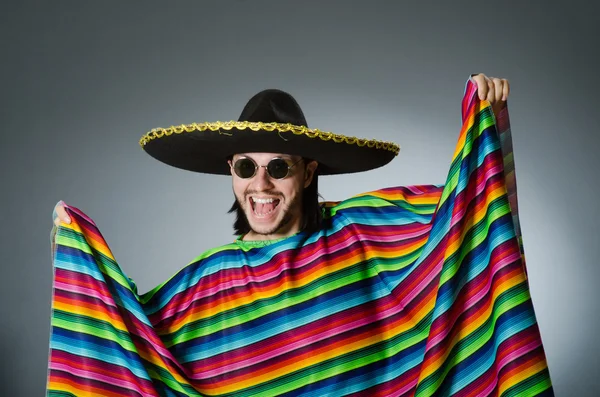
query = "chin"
x=266 y=229
x=280 y=226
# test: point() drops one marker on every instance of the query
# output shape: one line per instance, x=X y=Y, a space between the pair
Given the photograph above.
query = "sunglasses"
x=277 y=168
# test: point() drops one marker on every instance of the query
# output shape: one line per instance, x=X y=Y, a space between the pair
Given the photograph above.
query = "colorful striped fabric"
x=407 y=291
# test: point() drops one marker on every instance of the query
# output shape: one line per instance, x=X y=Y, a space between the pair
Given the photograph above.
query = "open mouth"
x=262 y=207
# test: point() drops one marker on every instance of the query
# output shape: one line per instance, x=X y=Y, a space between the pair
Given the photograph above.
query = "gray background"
x=82 y=81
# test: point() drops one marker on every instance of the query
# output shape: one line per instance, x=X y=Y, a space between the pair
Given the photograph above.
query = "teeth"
x=262 y=201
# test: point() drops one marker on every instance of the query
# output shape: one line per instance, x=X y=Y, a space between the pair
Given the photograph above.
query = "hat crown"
x=273 y=106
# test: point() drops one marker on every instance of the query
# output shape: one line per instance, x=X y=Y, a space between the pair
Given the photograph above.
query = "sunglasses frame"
x=266 y=167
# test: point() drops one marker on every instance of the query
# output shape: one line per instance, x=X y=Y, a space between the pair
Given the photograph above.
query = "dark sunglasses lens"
x=277 y=168
x=244 y=168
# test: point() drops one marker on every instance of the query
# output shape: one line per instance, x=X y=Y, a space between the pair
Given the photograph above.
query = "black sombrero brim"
x=206 y=147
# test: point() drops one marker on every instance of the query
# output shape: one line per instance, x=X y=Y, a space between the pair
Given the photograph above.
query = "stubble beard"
x=287 y=217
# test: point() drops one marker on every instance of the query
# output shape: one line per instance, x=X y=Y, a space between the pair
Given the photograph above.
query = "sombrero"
x=271 y=122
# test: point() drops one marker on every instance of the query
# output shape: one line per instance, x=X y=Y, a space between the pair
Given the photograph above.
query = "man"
x=403 y=291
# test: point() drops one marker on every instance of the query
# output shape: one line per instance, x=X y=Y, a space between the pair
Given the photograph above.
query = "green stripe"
x=145 y=298
x=469 y=344
x=160 y=374
x=531 y=386
x=486 y=117
x=94 y=327
x=107 y=266
x=344 y=363
x=372 y=201
x=474 y=237
x=356 y=273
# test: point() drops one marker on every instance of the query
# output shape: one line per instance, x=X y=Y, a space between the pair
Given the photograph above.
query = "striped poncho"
x=406 y=291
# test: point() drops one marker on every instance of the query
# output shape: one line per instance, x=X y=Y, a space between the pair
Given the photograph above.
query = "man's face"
x=272 y=206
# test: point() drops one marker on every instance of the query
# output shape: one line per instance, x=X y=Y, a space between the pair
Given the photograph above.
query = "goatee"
x=288 y=215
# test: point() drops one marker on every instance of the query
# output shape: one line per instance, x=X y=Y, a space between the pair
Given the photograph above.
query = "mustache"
x=273 y=193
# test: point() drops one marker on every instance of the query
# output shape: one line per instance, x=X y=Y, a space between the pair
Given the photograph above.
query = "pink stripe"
x=98 y=377
x=490 y=388
x=433 y=274
x=394 y=238
x=409 y=387
x=304 y=342
x=84 y=216
x=459 y=214
x=519 y=352
x=497 y=265
x=468 y=99
x=85 y=291
x=141 y=330
x=277 y=270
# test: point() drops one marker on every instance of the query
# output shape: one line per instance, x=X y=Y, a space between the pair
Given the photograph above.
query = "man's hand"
x=493 y=89
x=60 y=214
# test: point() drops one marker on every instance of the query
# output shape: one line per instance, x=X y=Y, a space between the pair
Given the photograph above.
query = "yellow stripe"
x=95 y=314
x=477 y=217
x=157 y=360
x=97 y=245
x=471 y=327
x=292 y=284
x=521 y=376
x=329 y=354
x=460 y=145
x=426 y=198
x=66 y=387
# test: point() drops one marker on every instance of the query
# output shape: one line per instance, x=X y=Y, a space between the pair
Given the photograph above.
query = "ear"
x=230 y=166
x=309 y=173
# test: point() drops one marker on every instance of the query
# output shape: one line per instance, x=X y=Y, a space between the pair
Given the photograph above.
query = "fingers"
x=482 y=85
x=486 y=88
x=505 y=89
x=499 y=89
x=492 y=89
x=60 y=214
x=491 y=94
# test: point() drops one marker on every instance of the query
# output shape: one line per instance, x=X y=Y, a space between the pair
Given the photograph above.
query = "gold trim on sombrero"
x=157 y=133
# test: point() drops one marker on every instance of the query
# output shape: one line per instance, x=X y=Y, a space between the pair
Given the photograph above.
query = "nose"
x=262 y=181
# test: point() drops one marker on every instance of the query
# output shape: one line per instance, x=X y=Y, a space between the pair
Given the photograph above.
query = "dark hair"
x=312 y=215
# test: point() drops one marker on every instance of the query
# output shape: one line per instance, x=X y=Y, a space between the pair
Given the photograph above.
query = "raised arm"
x=496 y=91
